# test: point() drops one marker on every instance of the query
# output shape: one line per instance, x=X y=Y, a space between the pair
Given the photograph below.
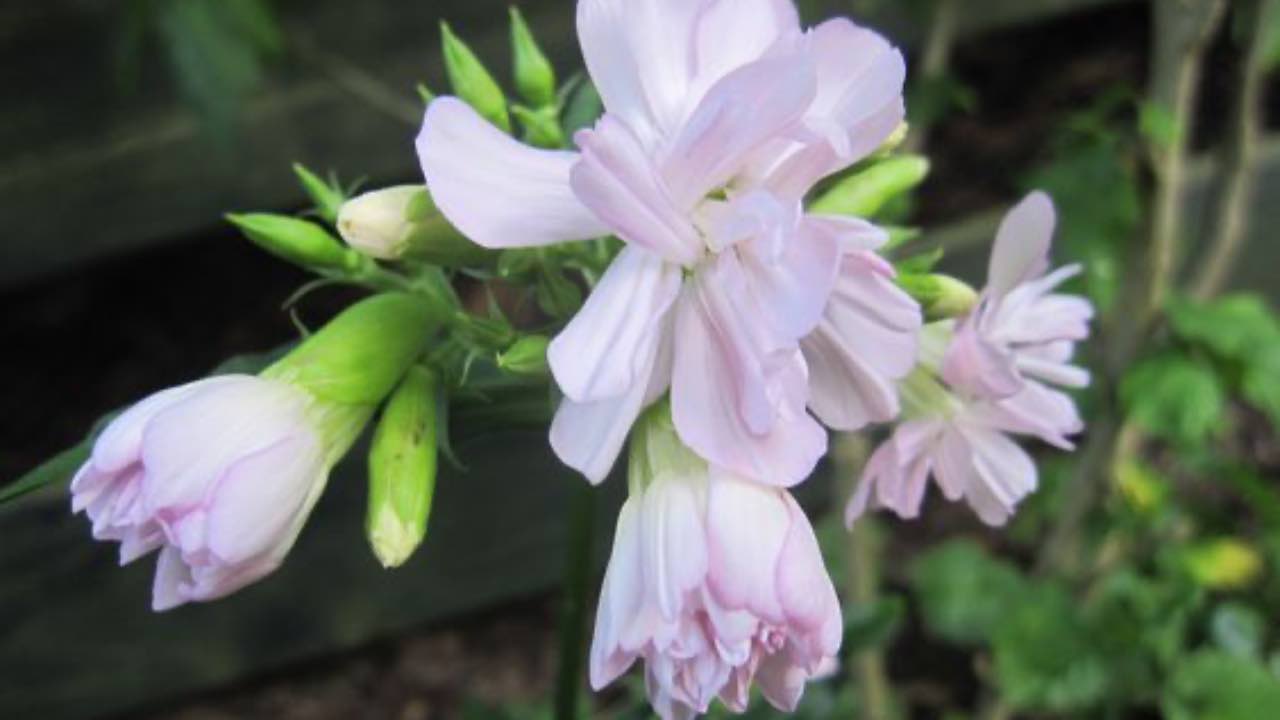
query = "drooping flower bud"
x=299 y=241
x=221 y=474
x=864 y=193
x=527 y=357
x=402 y=469
x=472 y=82
x=402 y=223
x=535 y=78
x=715 y=581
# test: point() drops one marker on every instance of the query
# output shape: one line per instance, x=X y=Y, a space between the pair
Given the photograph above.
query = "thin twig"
x=934 y=60
x=575 y=601
x=361 y=84
x=1238 y=173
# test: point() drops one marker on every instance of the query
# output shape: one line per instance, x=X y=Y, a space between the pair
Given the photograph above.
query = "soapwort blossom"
x=983 y=378
x=715 y=582
x=719 y=116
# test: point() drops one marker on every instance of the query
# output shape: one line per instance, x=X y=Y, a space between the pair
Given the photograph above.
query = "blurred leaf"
x=1235 y=327
x=965 y=594
x=583 y=106
x=871 y=625
x=1213 y=685
x=1238 y=630
x=1158 y=124
x=1043 y=659
x=1142 y=487
x=1222 y=563
x=1175 y=397
x=932 y=99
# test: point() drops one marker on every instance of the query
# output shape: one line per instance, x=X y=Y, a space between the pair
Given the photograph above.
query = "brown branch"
x=1238 y=173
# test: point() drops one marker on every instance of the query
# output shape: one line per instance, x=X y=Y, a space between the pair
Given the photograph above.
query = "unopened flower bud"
x=526 y=357
x=472 y=82
x=402 y=223
x=535 y=78
x=864 y=193
x=328 y=198
x=402 y=469
x=486 y=333
x=953 y=298
x=299 y=241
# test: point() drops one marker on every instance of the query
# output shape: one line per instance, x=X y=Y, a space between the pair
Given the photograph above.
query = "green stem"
x=575 y=599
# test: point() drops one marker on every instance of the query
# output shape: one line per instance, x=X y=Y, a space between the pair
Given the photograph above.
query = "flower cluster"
x=734 y=328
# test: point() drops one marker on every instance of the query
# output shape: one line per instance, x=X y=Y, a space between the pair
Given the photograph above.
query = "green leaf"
x=1214 y=685
x=872 y=625
x=1238 y=630
x=1175 y=397
x=583 y=106
x=1043 y=659
x=1159 y=125
x=58 y=469
x=964 y=593
x=1238 y=327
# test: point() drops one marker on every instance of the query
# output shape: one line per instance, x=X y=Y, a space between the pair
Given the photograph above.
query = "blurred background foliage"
x=1143 y=579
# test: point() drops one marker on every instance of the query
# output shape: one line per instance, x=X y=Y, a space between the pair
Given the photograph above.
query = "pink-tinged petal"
x=620 y=600
x=674 y=551
x=852 y=234
x=1058 y=373
x=781 y=682
x=606 y=346
x=171 y=575
x=257 y=502
x=953 y=464
x=747 y=107
x=120 y=443
x=1036 y=410
x=724 y=385
x=860 y=80
x=639 y=56
x=755 y=26
x=616 y=178
x=187 y=445
x=747 y=527
x=1005 y=475
x=588 y=436
x=1021 y=249
x=495 y=190
x=846 y=393
x=979 y=367
x=808 y=598
x=792 y=287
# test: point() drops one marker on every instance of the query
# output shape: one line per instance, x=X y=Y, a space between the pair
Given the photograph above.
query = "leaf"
x=964 y=592
x=1043 y=659
x=1175 y=397
x=871 y=625
x=1240 y=327
x=1213 y=685
x=1159 y=125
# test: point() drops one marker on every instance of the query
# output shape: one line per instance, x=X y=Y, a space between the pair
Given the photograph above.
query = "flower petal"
x=747 y=527
x=1021 y=249
x=495 y=190
x=603 y=350
x=755 y=26
x=620 y=598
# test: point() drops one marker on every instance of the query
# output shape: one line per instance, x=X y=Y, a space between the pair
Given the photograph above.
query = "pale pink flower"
x=720 y=116
x=715 y=582
x=997 y=363
x=1020 y=328
x=219 y=475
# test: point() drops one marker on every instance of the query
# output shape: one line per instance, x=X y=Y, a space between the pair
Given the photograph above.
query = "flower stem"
x=575 y=598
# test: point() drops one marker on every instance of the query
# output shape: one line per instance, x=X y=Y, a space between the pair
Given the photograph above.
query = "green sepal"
x=527 y=357
x=360 y=355
x=535 y=77
x=299 y=241
x=541 y=126
x=328 y=197
x=402 y=469
x=471 y=81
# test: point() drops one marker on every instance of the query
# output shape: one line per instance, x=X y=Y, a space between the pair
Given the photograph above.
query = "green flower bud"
x=527 y=357
x=298 y=241
x=940 y=296
x=327 y=198
x=541 y=127
x=485 y=333
x=402 y=469
x=472 y=82
x=864 y=193
x=535 y=78
x=402 y=222
x=360 y=355
x=557 y=296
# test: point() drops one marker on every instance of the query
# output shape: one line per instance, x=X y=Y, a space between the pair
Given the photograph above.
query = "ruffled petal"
x=756 y=27
x=606 y=346
x=1021 y=249
x=620 y=600
x=497 y=191
x=747 y=527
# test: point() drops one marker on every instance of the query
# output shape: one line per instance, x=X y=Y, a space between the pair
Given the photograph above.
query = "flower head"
x=715 y=582
x=219 y=475
x=984 y=378
x=720 y=116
